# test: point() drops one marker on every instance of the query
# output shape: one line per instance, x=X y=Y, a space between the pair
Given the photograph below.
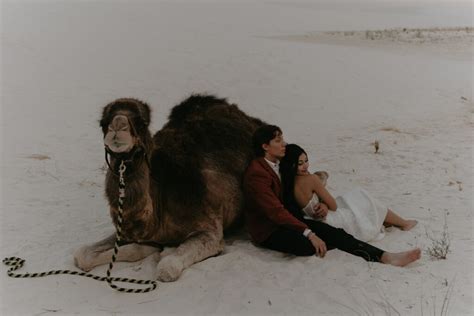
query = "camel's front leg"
x=196 y=248
x=90 y=256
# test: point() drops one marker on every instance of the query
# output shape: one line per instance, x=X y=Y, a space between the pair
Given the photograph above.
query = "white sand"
x=62 y=61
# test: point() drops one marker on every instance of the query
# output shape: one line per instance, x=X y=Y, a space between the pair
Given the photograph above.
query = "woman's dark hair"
x=288 y=169
x=263 y=135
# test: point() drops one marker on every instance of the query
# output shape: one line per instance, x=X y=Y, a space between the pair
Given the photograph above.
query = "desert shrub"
x=439 y=248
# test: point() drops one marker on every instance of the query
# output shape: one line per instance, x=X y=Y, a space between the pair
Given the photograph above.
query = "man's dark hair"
x=263 y=135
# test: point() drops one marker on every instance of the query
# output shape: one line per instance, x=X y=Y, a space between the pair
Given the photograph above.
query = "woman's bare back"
x=304 y=189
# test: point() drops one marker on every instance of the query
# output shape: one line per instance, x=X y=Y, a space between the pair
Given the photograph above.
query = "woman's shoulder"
x=307 y=178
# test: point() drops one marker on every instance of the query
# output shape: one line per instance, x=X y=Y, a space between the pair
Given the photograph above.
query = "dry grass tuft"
x=440 y=246
x=446 y=300
x=376 y=145
x=390 y=129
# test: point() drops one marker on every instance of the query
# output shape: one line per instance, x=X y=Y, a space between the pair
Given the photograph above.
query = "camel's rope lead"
x=16 y=263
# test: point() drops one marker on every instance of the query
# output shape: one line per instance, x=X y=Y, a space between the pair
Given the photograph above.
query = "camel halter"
x=16 y=263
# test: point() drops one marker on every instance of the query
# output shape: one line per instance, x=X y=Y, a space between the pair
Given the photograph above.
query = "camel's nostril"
x=119 y=123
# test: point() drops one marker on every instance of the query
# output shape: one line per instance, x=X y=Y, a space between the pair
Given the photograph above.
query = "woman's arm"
x=322 y=193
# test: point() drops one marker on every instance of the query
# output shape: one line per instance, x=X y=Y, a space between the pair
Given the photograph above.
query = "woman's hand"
x=318 y=244
x=320 y=210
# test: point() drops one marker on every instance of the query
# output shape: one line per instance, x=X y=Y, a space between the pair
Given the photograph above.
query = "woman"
x=356 y=211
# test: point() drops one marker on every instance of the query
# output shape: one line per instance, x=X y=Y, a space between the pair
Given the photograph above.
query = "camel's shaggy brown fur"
x=183 y=185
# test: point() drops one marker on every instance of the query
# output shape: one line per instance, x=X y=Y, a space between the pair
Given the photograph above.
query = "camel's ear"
x=104 y=121
x=145 y=111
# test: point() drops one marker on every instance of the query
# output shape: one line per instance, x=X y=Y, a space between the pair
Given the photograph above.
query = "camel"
x=183 y=185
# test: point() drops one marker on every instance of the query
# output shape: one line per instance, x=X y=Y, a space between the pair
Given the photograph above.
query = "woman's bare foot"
x=401 y=259
x=409 y=224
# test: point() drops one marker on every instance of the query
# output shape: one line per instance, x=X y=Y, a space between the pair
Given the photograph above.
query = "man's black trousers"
x=291 y=241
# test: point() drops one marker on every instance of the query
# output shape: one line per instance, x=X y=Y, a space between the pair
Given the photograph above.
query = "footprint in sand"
x=459 y=184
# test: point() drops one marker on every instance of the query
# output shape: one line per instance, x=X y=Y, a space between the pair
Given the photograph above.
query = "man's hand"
x=320 y=210
x=318 y=244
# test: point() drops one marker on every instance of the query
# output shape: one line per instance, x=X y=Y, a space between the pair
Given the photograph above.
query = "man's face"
x=276 y=148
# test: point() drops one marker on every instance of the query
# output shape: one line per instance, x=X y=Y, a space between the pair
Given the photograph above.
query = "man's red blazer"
x=264 y=210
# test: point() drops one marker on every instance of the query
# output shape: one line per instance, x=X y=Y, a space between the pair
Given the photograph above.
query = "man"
x=272 y=226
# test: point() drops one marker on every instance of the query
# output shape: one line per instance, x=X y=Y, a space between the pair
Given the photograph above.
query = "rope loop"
x=16 y=263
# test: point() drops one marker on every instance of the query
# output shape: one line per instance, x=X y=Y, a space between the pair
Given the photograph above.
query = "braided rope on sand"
x=16 y=263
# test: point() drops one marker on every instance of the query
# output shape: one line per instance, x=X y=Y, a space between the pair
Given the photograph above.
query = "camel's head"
x=125 y=124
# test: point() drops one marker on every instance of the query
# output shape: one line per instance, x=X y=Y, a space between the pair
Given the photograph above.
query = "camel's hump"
x=194 y=104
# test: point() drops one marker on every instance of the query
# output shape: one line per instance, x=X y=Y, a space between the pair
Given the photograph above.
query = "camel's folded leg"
x=194 y=249
x=99 y=253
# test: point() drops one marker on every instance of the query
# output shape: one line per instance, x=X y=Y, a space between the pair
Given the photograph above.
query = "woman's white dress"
x=358 y=213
